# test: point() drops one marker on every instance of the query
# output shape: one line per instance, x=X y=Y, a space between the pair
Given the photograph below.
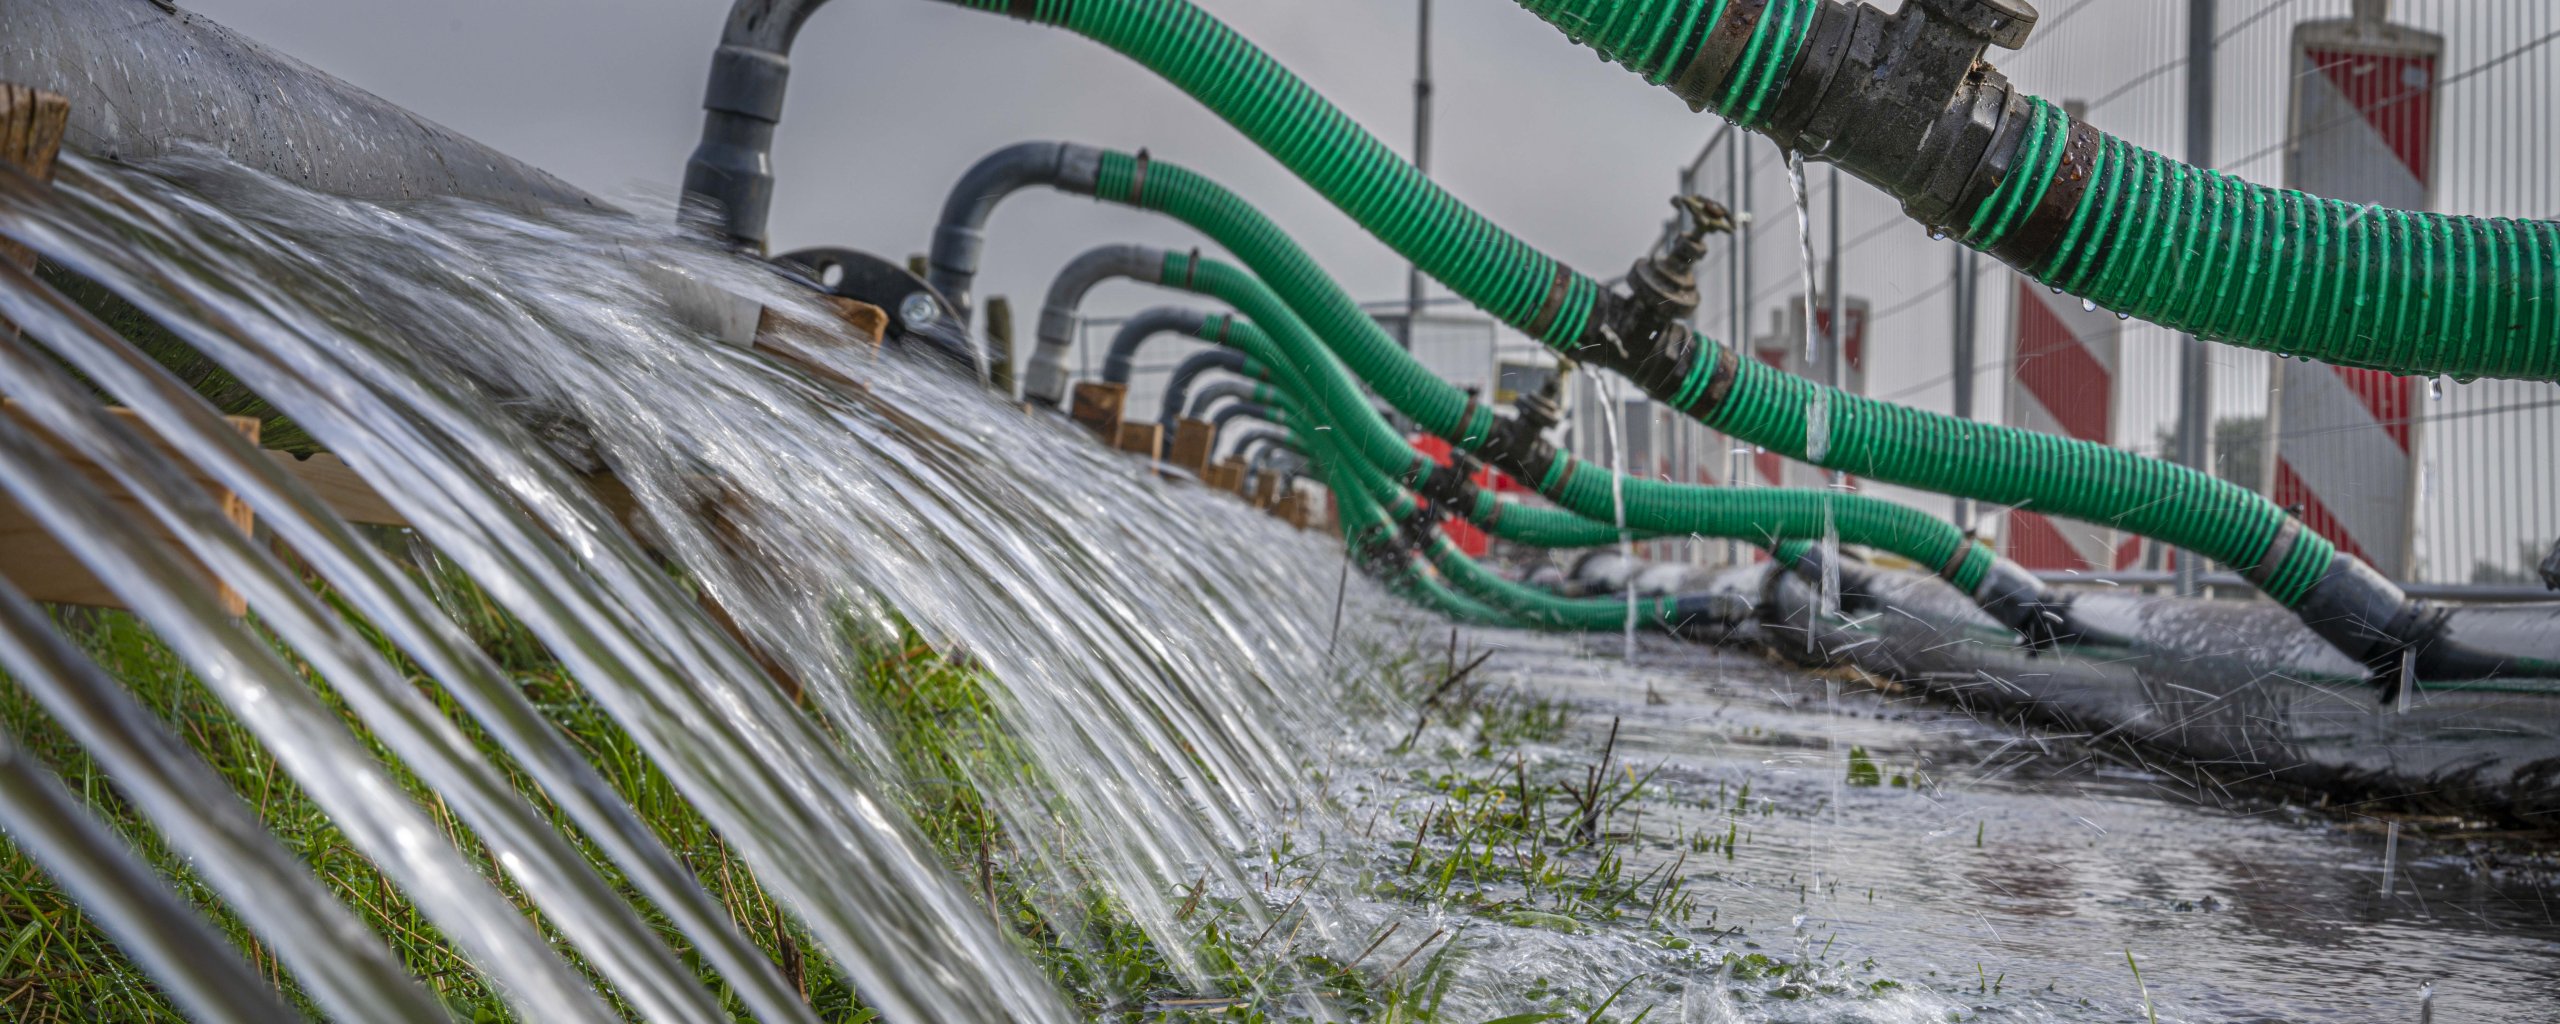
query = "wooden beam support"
x=1193 y=441
x=38 y=564
x=1139 y=438
x=31 y=126
x=1099 y=407
x=1226 y=475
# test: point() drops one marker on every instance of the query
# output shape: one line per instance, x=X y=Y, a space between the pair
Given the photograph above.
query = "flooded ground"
x=1895 y=861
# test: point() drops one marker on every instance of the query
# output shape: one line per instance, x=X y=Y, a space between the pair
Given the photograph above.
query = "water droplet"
x=2057 y=289
x=2088 y=305
x=2435 y=389
x=2124 y=316
x=1936 y=235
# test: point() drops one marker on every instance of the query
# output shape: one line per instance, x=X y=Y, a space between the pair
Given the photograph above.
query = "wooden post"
x=31 y=126
x=1000 y=344
x=1098 y=406
x=45 y=570
x=1193 y=440
x=1297 y=510
x=1145 y=439
x=1266 y=491
x=1226 y=475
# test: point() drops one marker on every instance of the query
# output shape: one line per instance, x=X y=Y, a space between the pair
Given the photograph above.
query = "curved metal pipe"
x=1261 y=462
x=1178 y=387
x=1246 y=410
x=1240 y=390
x=148 y=80
x=1135 y=331
x=1247 y=441
x=1045 y=379
x=952 y=268
x=728 y=181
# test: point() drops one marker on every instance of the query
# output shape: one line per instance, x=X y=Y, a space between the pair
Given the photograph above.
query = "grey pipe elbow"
x=1177 y=388
x=728 y=182
x=1135 y=332
x=959 y=239
x=1221 y=391
x=1245 y=410
x=1045 y=380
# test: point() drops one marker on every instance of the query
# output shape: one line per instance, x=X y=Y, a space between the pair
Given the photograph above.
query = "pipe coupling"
x=2021 y=602
x=1904 y=101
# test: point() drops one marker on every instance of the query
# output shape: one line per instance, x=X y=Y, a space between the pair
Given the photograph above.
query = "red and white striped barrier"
x=2364 y=106
x=2062 y=380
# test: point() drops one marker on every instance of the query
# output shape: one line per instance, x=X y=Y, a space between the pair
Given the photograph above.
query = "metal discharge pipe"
x=1241 y=390
x=1310 y=306
x=1177 y=388
x=1118 y=361
x=1300 y=363
x=148 y=80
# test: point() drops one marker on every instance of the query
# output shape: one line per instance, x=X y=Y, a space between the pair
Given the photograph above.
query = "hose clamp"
x=1138 y=179
x=2033 y=241
x=1712 y=63
x=1720 y=379
x=2277 y=550
x=1554 y=304
x=1955 y=562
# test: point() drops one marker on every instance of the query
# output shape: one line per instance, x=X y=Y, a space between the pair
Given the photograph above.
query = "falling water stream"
x=1167 y=665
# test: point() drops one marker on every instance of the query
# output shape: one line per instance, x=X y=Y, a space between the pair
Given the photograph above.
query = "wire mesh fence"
x=2479 y=474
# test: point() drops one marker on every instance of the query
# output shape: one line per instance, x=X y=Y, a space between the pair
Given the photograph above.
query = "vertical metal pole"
x=1738 y=282
x=1421 y=158
x=1963 y=356
x=1837 y=337
x=2195 y=366
x=1690 y=434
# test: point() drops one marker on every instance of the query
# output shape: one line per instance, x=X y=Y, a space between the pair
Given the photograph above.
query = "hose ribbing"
x=2222 y=258
x=2152 y=237
x=1313 y=299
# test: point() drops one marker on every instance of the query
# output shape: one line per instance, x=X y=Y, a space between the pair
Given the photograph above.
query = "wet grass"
x=1493 y=839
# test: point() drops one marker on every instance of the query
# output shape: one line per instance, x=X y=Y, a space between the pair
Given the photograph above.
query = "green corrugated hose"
x=1312 y=301
x=1482 y=595
x=1530 y=525
x=1550 y=301
x=2200 y=251
x=1760 y=515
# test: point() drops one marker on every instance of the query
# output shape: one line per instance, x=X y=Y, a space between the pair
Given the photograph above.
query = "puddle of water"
x=1937 y=866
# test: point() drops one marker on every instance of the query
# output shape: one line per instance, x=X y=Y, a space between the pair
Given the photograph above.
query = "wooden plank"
x=1226 y=475
x=1142 y=439
x=338 y=486
x=1193 y=441
x=868 y=323
x=1099 y=407
x=31 y=125
x=1000 y=345
x=40 y=566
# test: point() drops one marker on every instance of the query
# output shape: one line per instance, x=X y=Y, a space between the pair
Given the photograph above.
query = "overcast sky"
x=890 y=101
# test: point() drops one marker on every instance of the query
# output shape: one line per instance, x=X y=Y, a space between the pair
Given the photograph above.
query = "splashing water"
x=443 y=351
x=1613 y=419
x=1162 y=662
